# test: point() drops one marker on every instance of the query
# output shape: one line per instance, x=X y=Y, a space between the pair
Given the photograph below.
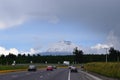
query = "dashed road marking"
x=41 y=76
x=69 y=75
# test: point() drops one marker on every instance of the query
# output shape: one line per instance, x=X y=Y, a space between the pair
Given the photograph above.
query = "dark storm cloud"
x=99 y=15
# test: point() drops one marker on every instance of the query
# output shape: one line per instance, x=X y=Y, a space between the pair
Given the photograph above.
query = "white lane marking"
x=69 y=75
x=90 y=75
x=41 y=76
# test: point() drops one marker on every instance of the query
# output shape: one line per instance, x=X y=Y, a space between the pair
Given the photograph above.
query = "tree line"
x=77 y=57
x=113 y=55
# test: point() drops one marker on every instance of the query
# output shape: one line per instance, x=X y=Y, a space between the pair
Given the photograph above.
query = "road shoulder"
x=100 y=76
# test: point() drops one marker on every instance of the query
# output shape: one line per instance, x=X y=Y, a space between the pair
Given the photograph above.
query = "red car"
x=49 y=68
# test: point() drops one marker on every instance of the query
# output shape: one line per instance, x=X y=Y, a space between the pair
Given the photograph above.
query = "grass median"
x=10 y=68
x=16 y=68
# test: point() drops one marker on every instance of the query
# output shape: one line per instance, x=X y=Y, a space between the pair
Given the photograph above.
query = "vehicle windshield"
x=31 y=66
x=49 y=66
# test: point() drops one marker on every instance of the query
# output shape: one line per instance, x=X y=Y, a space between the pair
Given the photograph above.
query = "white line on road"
x=69 y=75
x=94 y=77
x=41 y=76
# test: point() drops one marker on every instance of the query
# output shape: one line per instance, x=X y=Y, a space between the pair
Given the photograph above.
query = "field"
x=107 y=69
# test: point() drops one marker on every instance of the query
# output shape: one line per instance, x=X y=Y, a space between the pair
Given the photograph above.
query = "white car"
x=73 y=69
x=32 y=68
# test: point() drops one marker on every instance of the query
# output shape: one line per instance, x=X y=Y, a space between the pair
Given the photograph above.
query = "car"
x=32 y=68
x=49 y=68
x=73 y=69
x=54 y=67
x=82 y=66
x=70 y=67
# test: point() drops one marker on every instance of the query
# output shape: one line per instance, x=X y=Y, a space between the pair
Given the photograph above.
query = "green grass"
x=107 y=69
x=9 y=67
x=25 y=66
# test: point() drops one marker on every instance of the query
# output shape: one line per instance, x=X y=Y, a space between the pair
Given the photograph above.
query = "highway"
x=58 y=74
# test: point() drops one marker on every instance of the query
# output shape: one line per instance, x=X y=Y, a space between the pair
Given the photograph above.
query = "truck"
x=66 y=62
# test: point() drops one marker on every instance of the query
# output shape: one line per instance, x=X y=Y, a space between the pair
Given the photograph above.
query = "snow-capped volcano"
x=63 y=46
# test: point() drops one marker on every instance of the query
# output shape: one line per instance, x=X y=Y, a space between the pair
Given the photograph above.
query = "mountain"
x=61 y=48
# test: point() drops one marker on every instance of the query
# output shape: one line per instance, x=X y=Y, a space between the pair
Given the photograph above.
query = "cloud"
x=14 y=13
x=101 y=46
x=95 y=16
x=34 y=51
x=11 y=23
x=100 y=15
x=31 y=51
x=114 y=40
x=16 y=51
x=111 y=41
x=54 y=20
x=6 y=52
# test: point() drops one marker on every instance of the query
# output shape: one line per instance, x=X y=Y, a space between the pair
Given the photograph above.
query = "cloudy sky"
x=30 y=25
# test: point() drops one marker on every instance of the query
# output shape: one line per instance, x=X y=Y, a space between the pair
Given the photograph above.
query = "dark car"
x=82 y=66
x=32 y=68
x=49 y=68
x=73 y=69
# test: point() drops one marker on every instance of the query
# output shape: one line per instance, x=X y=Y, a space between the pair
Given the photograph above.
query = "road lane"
x=40 y=74
x=20 y=75
x=58 y=74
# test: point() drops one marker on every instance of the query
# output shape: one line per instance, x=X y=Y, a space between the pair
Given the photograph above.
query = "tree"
x=2 y=59
x=10 y=58
x=114 y=55
x=78 y=55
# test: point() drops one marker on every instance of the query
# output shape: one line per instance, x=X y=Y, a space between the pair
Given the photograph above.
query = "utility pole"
x=106 y=54
x=117 y=58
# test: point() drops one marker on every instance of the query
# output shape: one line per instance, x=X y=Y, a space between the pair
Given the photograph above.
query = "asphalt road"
x=58 y=74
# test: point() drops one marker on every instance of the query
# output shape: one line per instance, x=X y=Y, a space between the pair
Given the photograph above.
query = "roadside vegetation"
x=110 y=69
x=10 y=67
x=24 y=67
